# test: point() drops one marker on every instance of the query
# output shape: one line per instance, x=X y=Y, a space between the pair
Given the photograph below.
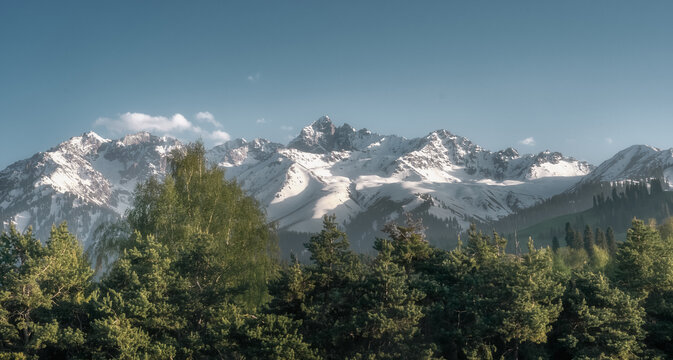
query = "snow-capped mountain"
x=635 y=163
x=86 y=181
x=356 y=174
x=341 y=170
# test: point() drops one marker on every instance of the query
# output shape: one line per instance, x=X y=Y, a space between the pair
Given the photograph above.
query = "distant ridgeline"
x=599 y=205
x=611 y=205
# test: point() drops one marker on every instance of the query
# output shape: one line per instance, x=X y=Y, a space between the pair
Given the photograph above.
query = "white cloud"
x=134 y=122
x=177 y=125
x=286 y=128
x=260 y=121
x=608 y=140
x=219 y=136
x=254 y=77
x=529 y=141
x=207 y=117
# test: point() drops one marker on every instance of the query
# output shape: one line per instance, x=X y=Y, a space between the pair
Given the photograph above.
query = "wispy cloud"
x=207 y=117
x=254 y=77
x=286 y=128
x=177 y=126
x=260 y=121
x=529 y=141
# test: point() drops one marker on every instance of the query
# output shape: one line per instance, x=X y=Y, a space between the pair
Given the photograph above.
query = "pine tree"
x=409 y=244
x=644 y=269
x=45 y=293
x=598 y=321
x=236 y=334
x=534 y=302
x=334 y=279
x=555 y=244
x=386 y=322
x=137 y=315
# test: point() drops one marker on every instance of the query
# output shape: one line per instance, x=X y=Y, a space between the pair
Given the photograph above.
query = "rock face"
x=363 y=177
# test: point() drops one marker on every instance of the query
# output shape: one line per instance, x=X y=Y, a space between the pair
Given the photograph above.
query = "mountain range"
x=365 y=178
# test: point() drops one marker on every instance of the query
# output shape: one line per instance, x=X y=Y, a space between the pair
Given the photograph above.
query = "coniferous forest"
x=193 y=272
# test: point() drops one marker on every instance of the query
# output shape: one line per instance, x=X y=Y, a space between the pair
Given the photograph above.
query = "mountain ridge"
x=88 y=179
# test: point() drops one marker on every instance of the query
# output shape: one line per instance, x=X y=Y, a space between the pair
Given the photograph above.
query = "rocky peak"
x=82 y=145
x=137 y=138
x=550 y=157
x=323 y=137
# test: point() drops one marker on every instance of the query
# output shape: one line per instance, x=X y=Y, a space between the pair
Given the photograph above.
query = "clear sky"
x=586 y=78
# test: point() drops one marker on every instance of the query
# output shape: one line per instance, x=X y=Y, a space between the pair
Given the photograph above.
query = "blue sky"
x=586 y=78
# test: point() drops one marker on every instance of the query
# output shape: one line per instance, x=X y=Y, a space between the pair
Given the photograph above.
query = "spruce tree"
x=578 y=240
x=611 y=241
x=570 y=236
x=555 y=244
x=601 y=241
x=588 y=241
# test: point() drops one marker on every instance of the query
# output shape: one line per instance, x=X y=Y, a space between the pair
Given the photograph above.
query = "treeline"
x=570 y=202
x=193 y=273
x=613 y=207
x=645 y=198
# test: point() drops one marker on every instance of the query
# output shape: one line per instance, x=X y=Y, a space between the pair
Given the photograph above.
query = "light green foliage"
x=200 y=216
x=568 y=259
x=666 y=228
